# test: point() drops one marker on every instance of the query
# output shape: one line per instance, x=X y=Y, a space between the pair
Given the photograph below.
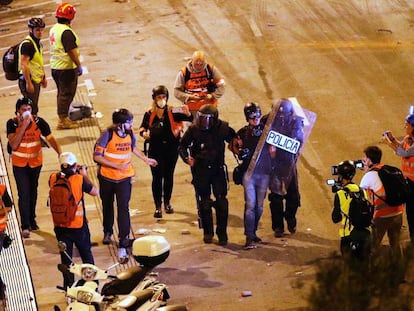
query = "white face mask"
x=161 y=103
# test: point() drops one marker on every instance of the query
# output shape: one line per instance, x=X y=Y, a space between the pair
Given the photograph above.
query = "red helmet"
x=66 y=10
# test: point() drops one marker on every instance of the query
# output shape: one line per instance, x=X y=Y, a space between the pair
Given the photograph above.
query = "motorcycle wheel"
x=5 y=2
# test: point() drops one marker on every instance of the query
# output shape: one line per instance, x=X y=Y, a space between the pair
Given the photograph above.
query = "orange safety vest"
x=29 y=151
x=197 y=84
x=176 y=127
x=382 y=209
x=75 y=182
x=3 y=218
x=118 y=150
x=407 y=164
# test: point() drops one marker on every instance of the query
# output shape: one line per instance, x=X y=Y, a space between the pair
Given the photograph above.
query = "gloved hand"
x=79 y=70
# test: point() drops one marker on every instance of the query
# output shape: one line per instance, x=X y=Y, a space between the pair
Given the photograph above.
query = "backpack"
x=11 y=62
x=62 y=202
x=395 y=185
x=360 y=209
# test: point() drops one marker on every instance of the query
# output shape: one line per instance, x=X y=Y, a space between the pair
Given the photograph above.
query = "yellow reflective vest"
x=59 y=59
x=36 y=63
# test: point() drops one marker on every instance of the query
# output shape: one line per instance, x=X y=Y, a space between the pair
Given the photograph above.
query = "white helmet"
x=67 y=158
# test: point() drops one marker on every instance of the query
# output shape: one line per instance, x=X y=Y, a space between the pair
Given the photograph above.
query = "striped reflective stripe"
x=26 y=155
x=29 y=145
x=118 y=156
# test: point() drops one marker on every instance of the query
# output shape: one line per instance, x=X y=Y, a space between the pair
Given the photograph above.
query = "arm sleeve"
x=11 y=127
x=43 y=127
x=68 y=40
x=179 y=88
x=336 y=212
x=86 y=186
x=27 y=49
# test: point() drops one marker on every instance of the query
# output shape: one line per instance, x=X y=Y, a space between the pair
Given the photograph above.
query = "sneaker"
x=26 y=233
x=249 y=243
x=278 y=233
x=107 y=239
x=122 y=255
x=158 y=213
x=292 y=230
x=169 y=209
x=65 y=123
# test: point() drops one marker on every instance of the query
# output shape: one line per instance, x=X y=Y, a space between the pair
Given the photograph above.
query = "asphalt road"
x=350 y=62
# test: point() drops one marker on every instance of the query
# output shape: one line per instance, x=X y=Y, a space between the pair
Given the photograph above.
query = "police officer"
x=255 y=186
x=113 y=153
x=161 y=127
x=76 y=232
x=284 y=186
x=202 y=147
x=32 y=74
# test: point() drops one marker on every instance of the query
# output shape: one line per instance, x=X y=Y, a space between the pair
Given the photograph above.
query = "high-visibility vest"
x=176 y=127
x=29 y=151
x=59 y=59
x=75 y=182
x=345 y=200
x=3 y=218
x=36 y=63
x=118 y=150
x=407 y=164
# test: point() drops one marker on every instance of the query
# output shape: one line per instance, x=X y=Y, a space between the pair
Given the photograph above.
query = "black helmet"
x=252 y=110
x=346 y=169
x=158 y=90
x=206 y=117
x=36 y=22
x=285 y=106
x=23 y=101
x=122 y=115
x=410 y=119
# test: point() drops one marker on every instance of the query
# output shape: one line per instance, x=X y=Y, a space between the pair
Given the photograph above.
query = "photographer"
x=76 y=232
x=340 y=213
x=387 y=219
x=255 y=187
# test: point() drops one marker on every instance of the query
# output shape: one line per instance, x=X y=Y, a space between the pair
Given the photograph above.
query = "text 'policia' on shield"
x=283 y=142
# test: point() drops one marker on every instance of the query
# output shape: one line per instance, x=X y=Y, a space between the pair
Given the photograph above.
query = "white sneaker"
x=122 y=255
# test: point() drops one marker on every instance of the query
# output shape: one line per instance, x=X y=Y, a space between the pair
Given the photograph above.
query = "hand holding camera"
x=387 y=137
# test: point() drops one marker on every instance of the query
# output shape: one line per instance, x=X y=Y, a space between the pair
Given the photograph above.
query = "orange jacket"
x=407 y=164
x=30 y=148
x=118 y=150
x=75 y=182
x=3 y=218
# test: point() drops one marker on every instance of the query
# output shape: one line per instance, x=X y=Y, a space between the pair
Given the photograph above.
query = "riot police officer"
x=202 y=147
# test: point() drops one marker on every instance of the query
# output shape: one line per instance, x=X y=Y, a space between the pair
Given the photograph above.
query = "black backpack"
x=11 y=62
x=360 y=209
x=395 y=185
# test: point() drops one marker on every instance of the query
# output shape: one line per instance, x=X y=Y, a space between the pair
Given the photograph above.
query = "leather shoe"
x=107 y=239
x=169 y=209
x=158 y=213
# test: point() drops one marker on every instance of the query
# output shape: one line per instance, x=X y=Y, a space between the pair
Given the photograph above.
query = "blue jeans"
x=255 y=189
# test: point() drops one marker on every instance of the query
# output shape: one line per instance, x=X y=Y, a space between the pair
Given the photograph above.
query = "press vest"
x=382 y=209
x=75 y=182
x=59 y=59
x=197 y=84
x=36 y=63
x=3 y=218
x=345 y=200
x=176 y=127
x=29 y=151
x=407 y=164
x=118 y=150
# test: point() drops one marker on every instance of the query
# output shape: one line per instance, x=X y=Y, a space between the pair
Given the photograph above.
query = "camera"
x=244 y=154
x=357 y=164
x=336 y=185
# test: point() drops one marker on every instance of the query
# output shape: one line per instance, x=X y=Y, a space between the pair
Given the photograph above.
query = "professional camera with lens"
x=357 y=164
x=336 y=185
x=244 y=154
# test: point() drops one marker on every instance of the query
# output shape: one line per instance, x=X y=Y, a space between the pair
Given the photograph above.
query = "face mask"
x=161 y=103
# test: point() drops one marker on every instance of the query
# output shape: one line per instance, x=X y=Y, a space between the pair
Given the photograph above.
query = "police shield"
x=287 y=128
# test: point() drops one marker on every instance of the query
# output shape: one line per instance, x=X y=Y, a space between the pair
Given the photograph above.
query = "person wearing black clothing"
x=32 y=74
x=284 y=186
x=161 y=127
x=202 y=147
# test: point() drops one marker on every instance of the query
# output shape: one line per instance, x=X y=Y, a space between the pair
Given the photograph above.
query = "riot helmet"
x=23 y=101
x=158 y=90
x=410 y=119
x=206 y=117
x=346 y=169
x=36 y=22
x=66 y=11
x=121 y=116
x=285 y=107
x=252 y=110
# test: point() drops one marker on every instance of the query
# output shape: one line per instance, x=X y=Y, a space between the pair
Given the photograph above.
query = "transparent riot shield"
x=287 y=128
